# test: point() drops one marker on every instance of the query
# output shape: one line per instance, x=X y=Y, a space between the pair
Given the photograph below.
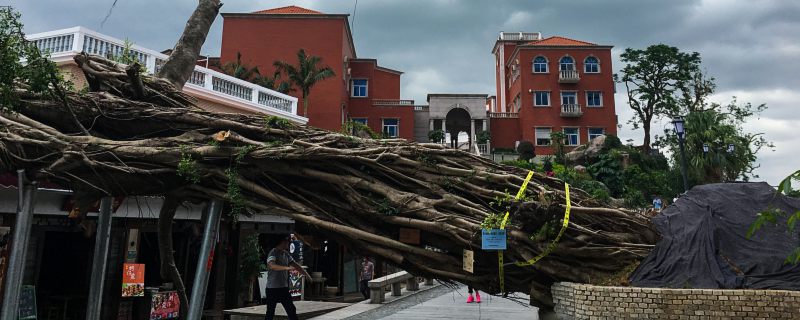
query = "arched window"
x=591 y=65
x=566 y=64
x=540 y=65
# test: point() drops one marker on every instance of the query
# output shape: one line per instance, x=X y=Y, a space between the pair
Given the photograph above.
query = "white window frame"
x=573 y=64
x=396 y=127
x=587 y=99
x=546 y=65
x=541 y=105
x=353 y=88
x=573 y=93
x=589 y=133
x=585 y=64
x=536 y=136
x=577 y=135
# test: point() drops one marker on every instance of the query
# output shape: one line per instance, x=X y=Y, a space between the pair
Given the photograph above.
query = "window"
x=359 y=87
x=569 y=98
x=571 y=136
x=594 y=98
x=542 y=136
x=591 y=65
x=391 y=127
x=566 y=64
x=359 y=120
x=595 y=132
x=541 y=98
x=540 y=65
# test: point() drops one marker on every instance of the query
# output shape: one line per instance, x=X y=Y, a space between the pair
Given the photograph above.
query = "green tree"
x=37 y=73
x=306 y=74
x=242 y=70
x=652 y=77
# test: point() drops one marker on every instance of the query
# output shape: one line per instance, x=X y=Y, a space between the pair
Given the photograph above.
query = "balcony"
x=568 y=76
x=64 y=44
x=507 y=115
x=571 y=110
x=392 y=103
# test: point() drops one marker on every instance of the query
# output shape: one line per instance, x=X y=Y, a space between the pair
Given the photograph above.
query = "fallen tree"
x=133 y=135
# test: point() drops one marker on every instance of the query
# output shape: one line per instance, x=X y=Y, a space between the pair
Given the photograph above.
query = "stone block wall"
x=580 y=301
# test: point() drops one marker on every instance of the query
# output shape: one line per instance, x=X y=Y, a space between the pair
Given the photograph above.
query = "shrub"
x=526 y=150
x=436 y=136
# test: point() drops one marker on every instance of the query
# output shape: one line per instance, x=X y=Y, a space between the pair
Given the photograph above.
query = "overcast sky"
x=752 y=47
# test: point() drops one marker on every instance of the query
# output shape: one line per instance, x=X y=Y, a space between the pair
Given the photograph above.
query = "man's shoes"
x=470 y=299
x=477 y=297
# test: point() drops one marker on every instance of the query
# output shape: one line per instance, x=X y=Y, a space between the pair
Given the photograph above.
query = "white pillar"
x=483 y=124
x=444 y=125
x=431 y=124
x=471 y=134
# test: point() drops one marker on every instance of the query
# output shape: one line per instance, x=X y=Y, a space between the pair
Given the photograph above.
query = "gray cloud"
x=751 y=47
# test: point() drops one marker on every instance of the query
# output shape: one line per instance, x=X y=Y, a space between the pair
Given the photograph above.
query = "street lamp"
x=680 y=130
x=731 y=148
x=705 y=148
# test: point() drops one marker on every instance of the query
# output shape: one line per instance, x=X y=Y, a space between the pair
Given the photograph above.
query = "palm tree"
x=306 y=74
x=240 y=70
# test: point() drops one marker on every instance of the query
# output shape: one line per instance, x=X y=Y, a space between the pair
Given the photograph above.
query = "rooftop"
x=289 y=10
x=559 y=41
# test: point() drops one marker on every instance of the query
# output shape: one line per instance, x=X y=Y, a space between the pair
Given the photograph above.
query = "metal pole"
x=200 y=284
x=683 y=165
x=19 y=247
x=100 y=260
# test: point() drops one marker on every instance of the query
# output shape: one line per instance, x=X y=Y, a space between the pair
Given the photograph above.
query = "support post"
x=19 y=247
x=204 y=262
x=100 y=260
x=428 y=281
x=431 y=124
x=472 y=134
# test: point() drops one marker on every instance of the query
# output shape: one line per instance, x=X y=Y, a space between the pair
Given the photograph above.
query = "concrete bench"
x=395 y=280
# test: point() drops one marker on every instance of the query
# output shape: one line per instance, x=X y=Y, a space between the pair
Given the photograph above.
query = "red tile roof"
x=288 y=10
x=559 y=41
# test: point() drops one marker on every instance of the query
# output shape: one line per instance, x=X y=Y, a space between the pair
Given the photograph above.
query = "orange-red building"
x=361 y=90
x=550 y=85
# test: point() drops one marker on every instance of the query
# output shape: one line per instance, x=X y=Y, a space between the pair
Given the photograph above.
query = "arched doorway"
x=458 y=120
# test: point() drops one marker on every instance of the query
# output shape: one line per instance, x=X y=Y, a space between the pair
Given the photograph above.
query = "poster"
x=494 y=239
x=27 y=303
x=469 y=260
x=133 y=280
x=165 y=305
x=5 y=247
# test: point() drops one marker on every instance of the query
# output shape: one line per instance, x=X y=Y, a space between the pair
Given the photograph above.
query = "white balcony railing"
x=503 y=115
x=571 y=110
x=392 y=102
x=568 y=76
x=63 y=44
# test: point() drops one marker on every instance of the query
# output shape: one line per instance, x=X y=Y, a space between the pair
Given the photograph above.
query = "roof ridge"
x=560 y=41
x=292 y=9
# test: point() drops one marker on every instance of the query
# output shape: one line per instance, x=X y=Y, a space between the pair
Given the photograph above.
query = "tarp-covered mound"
x=703 y=241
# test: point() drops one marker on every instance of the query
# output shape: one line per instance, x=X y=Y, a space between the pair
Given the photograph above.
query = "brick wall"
x=579 y=301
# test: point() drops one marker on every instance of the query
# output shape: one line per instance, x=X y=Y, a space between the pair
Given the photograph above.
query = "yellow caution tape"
x=560 y=233
x=519 y=195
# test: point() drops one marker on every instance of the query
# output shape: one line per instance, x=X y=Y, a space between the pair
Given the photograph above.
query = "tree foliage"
x=653 y=77
x=242 y=70
x=773 y=215
x=526 y=150
x=307 y=73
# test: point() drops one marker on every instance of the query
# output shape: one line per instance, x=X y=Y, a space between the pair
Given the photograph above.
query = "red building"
x=550 y=85
x=361 y=90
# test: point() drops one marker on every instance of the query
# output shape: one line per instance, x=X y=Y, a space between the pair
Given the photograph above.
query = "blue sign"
x=494 y=239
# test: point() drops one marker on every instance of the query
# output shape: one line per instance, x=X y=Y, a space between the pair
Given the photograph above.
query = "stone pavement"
x=451 y=305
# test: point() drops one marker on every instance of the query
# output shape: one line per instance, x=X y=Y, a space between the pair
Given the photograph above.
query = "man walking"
x=366 y=274
x=279 y=262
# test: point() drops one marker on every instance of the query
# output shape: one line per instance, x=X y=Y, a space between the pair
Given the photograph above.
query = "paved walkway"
x=451 y=305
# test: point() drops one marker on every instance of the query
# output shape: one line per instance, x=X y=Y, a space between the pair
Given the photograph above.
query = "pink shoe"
x=477 y=297
x=470 y=299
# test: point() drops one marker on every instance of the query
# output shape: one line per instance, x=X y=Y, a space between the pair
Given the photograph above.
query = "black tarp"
x=703 y=241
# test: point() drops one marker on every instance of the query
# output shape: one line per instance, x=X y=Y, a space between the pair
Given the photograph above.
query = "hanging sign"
x=165 y=305
x=493 y=239
x=469 y=260
x=133 y=280
x=410 y=236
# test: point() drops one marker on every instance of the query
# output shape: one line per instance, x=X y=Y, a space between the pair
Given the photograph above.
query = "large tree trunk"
x=169 y=270
x=181 y=62
x=360 y=191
